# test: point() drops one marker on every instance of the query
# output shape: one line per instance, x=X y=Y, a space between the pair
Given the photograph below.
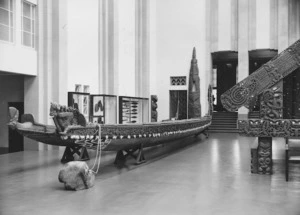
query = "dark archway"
x=224 y=75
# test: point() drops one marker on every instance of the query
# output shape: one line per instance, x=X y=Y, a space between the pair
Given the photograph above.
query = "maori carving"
x=178 y=80
x=271 y=103
x=64 y=116
x=272 y=72
x=269 y=128
x=132 y=131
x=153 y=108
x=265 y=155
x=263 y=78
x=194 y=107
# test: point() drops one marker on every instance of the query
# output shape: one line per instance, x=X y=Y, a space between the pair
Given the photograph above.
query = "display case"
x=103 y=109
x=80 y=101
x=133 y=110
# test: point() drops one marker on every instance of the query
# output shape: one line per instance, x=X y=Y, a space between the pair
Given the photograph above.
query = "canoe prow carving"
x=13 y=117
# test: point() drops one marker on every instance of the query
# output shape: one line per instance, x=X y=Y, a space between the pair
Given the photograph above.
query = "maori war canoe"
x=123 y=138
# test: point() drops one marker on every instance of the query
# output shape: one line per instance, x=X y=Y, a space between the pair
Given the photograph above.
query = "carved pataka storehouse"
x=267 y=82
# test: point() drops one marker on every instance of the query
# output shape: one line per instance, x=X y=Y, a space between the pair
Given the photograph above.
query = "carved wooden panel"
x=272 y=102
x=269 y=128
x=264 y=152
x=265 y=77
x=178 y=80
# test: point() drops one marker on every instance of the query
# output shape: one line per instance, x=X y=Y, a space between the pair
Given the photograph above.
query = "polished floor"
x=206 y=176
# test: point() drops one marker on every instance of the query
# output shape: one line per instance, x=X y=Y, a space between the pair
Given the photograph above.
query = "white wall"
x=14 y=57
x=263 y=23
x=180 y=26
x=224 y=25
x=83 y=44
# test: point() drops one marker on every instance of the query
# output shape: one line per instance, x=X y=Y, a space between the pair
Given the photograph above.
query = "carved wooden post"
x=153 y=108
x=210 y=101
x=270 y=108
x=194 y=107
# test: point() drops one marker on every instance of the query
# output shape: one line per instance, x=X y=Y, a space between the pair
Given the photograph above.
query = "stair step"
x=231 y=118
x=222 y=128
x=225 y=113
x=223 y=131
x=224 y=122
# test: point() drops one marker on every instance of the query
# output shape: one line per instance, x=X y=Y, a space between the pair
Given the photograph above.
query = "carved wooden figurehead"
x=65 y=116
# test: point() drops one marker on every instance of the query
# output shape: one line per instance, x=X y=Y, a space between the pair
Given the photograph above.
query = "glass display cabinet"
x=81 y=101
x=133 y=110
x=103 y=109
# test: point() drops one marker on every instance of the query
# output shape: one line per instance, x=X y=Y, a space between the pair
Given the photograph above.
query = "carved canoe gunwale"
x=118 y=137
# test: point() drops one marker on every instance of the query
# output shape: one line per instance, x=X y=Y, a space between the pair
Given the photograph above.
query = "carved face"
x=53 y=109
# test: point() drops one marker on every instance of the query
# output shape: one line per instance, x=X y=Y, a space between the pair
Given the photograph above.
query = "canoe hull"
x=115 y=137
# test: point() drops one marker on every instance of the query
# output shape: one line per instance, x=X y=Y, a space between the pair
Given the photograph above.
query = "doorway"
x=224 y=75
x=178 y=104
x=16 y=140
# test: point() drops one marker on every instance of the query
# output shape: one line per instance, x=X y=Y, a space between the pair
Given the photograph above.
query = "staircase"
x=253 y=115
x=224 y=122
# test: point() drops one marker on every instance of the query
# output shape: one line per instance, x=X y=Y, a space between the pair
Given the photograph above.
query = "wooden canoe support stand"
x=121 y=157
x=205 y=132
x=70 y=151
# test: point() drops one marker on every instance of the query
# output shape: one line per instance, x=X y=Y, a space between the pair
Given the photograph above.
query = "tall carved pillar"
x=194 y=107
x=271 y=106
x=50 y=84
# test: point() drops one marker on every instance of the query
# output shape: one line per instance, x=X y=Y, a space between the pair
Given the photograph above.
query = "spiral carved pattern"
x=234 y=98
x=266 y=76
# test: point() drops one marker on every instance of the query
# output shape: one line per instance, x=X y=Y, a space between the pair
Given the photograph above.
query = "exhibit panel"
x=103 y=109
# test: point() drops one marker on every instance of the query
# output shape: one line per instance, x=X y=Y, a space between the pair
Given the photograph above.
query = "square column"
x=50 y=85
